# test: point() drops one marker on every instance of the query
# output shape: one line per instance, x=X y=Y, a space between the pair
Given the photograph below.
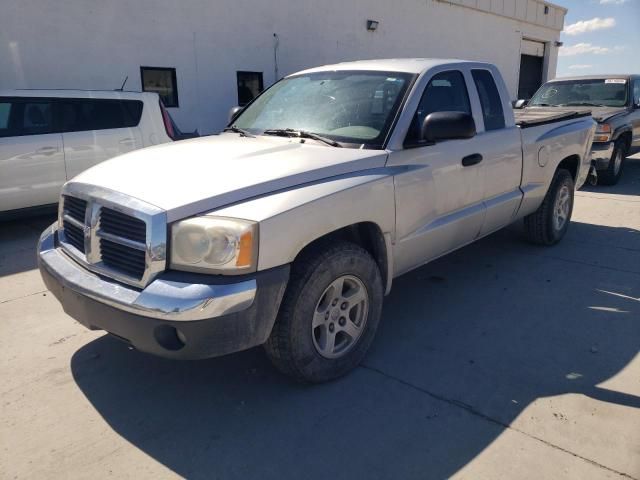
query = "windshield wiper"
x=580 y=104
x=242 y=132
x=290 y=132
x=543 y=105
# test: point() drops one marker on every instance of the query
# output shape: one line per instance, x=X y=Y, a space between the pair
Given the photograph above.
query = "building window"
x=249 y=86
x=163 y=82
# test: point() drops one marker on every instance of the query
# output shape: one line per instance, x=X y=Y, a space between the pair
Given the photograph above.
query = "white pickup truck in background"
x=288 y=229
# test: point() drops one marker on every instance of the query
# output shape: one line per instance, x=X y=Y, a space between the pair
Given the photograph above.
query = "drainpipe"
x=276 y=44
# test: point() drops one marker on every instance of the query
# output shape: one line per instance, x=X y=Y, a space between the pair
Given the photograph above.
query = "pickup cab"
x=288 y=228
x=614 y=102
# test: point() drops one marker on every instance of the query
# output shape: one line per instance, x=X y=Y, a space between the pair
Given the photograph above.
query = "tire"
x=543 y=226
x=612 y=174
x=300 y=342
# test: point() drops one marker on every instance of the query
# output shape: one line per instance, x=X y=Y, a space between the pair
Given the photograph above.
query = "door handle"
x=126 y=141
x=471 y=160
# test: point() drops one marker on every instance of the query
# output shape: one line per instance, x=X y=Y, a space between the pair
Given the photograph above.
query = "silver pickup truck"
x=287 y=229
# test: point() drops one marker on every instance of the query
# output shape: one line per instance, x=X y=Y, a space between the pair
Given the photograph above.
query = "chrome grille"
x=73 y=218
x=121 y=225
x=122 y=242
x=122 y=258
x=113 y=234
x=75 y=208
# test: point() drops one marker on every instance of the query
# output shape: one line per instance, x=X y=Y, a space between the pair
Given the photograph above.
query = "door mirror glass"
x=233 y=113
x=520 y=103
x=447 y=126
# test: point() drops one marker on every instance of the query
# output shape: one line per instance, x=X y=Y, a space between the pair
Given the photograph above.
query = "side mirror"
x=520 y=104
x=234 y=112
x=447 y=126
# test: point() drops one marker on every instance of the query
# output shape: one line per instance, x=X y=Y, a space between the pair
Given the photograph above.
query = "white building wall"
x=96 y=44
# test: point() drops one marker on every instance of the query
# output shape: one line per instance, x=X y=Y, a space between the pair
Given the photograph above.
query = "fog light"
x=169 y=338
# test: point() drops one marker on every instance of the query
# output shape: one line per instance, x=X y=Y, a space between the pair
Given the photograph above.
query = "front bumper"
x=601 y=154
x=178 y=315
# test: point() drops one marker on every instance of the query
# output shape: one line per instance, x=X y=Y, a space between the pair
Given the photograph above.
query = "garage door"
x=531 y=65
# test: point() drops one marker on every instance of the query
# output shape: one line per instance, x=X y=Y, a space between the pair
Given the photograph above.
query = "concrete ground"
x=502 y=360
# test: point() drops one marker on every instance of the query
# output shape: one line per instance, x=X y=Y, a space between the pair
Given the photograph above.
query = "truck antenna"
x=123 y=84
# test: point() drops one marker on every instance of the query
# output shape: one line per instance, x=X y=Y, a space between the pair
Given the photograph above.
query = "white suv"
x=49 y=136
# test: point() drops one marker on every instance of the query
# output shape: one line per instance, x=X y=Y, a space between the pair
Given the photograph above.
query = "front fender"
x=293 y=218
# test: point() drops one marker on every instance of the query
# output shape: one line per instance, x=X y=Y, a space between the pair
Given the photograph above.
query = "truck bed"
x=540 y=116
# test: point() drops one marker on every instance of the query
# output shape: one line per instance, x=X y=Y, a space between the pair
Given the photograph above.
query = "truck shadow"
x=466 y=344
x=629 y=183
x=18 y=242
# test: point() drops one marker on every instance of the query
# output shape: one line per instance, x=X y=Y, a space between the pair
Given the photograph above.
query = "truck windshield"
x=354 y=108
x=597 y=93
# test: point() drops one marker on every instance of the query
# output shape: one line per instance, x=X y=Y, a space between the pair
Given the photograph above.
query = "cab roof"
x=404 y=65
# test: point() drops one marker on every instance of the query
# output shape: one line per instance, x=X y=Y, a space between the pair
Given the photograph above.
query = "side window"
x=5 y=113
x=445 y=92
x=83 y=115
x=36 y=118
x=489 y=100
x=636 y=92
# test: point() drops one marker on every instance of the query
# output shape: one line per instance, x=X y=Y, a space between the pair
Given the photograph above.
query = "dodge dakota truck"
x=288 y=228
x=614 y=102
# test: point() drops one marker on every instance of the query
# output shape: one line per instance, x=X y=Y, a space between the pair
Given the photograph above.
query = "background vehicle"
x=289 y=229
x=614 y=101
x=49 y=136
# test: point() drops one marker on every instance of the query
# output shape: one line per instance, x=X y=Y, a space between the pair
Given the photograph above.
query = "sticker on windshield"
x=615 y=80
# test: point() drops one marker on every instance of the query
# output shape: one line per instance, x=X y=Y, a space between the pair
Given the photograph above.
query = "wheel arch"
x=572 y=164
x=369 y=236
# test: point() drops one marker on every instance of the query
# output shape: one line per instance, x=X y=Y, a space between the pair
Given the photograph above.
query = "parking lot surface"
x=501 y=360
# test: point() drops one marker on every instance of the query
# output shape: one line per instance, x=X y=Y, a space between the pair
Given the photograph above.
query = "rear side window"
x=489 y=100
x=19 y=117
x=82 y=115
x=445 y=92
x=636 y=94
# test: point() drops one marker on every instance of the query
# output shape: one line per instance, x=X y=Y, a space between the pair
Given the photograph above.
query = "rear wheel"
x=548 y=224
x=329 y=314
x=612 y=174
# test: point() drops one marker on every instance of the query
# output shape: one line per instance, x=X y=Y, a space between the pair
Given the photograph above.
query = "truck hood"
x=194 y=176
x=599 y=114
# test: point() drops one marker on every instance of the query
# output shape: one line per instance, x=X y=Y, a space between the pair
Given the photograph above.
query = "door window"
x=28 y=116
x=636 y=92
x=445 y=92
x=489 y=100
x=5 y=113
x=36 y=119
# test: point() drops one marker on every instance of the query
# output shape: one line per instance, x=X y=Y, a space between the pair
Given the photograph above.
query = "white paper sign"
x=615 y=80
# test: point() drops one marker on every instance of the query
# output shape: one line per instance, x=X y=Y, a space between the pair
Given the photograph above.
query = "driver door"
x=439 y=202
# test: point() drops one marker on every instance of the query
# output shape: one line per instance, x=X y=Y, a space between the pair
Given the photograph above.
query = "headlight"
x=214 y=245
x=603 y=133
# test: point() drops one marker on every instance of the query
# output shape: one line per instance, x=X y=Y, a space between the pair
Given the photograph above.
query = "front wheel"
x=612 y=174
x=329 y=314
x=548 y=224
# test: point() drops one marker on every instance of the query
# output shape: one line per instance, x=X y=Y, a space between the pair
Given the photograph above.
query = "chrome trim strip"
x=73 y=221
x=121 y=240
x=161 y=299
